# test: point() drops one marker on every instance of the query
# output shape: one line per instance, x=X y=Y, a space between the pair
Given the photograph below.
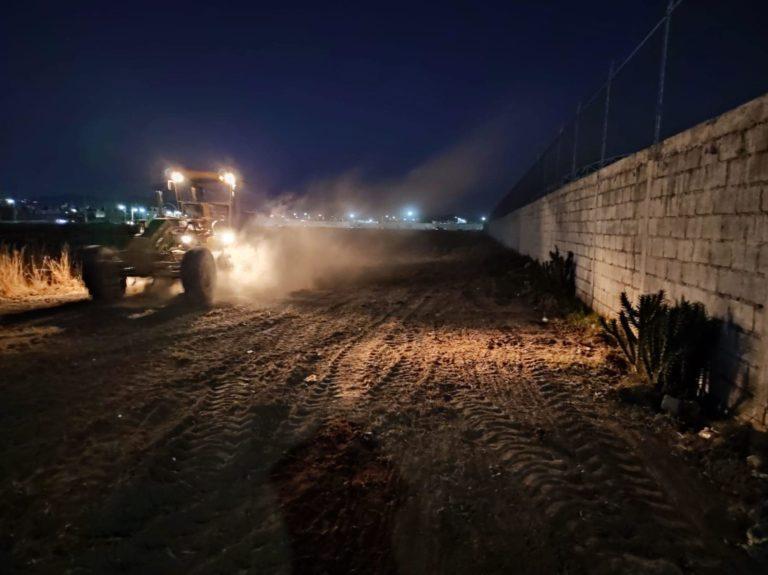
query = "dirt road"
x=417 y=418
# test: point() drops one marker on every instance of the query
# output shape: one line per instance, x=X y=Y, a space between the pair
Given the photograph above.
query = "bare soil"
x=417 y=417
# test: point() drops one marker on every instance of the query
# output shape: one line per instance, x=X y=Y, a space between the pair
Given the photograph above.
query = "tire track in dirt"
x=583 y=477
x=210 y=383
x=608 y=459
x=316 y=406
x=228 y=426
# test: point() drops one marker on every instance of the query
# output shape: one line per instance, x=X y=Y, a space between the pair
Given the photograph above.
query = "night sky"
x=438 y=105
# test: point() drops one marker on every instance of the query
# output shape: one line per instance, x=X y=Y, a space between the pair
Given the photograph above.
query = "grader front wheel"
x=198 y=275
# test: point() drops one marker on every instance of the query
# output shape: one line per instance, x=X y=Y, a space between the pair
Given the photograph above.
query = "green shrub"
x=670 y=346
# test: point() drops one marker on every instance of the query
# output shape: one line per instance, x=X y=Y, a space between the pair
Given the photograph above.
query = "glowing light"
x=177 y=177
x=227 y=237
x=482 y=218
x=187 y=239
x=351 y=216
x=10 y=201
x=121 y=207
x=61 y=221
x=229 y=178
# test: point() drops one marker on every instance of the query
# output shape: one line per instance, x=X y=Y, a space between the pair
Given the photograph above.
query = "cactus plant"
x=561 y=271
x=669 y=346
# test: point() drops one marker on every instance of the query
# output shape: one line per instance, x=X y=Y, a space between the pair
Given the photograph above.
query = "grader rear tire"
x=102 y=273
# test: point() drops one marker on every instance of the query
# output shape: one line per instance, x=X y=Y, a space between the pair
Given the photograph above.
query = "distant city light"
x=351 y=216
x=61 y=221
x=10 y=201
x=460 y=220
x=121 y=207
x=482 y=218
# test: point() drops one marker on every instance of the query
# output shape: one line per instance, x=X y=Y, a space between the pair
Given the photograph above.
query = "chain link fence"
x=649 y=95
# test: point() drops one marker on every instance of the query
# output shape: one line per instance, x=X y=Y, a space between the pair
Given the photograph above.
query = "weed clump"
x=23 y=274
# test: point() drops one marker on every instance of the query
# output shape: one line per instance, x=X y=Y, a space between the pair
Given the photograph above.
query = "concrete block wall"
x=689 y=216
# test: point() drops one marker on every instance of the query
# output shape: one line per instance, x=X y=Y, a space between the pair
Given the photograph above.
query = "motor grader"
x=194 y=224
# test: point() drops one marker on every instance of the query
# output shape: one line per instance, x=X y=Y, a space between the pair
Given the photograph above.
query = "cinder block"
x=701 y=251
x=670 y=248
x=730 y=228
x=656 y=247
x=724 y=201
x=687 y=206
x=707 y=278
x=757 y=167
x=692 y=158
x=705 y=201
x=715 y=175
x=721 y=254
x=685 y=250
x=737 y=171
x=711 y=227
x=728 y=282
x=743 y=315
x=693 y=228
x=762 y=259
x=659 y=187
x=751 y=288
x=756 y=138
x=745 y=256
x=674 y=271
x=730 y=146
x=748 y=200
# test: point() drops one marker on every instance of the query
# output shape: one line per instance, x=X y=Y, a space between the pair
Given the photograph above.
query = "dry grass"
x=23 y=274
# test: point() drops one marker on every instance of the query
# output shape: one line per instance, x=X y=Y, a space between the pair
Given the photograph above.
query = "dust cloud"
x=276 y=261
x=439 y=184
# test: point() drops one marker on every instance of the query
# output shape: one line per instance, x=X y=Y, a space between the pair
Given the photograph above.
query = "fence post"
x=662 y=72
x=575 y=140
x=605 y=115
x=557 y=155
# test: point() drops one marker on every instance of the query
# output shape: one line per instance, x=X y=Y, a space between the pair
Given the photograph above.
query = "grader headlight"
x=226 y=237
